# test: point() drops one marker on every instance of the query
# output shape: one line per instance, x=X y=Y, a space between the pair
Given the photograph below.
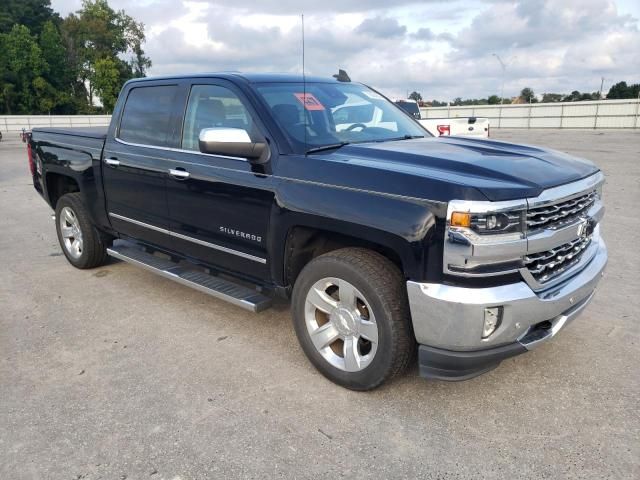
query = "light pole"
x=504 y=66
x=600 y=92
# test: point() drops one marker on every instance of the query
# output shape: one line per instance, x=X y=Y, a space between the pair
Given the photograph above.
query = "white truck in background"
x=455 y=126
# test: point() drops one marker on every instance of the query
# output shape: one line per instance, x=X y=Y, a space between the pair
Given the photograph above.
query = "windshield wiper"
x=327 y=147
x=342 y=144
x=406 y=137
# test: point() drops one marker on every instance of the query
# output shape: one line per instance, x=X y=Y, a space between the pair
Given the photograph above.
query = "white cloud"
x=440 y=48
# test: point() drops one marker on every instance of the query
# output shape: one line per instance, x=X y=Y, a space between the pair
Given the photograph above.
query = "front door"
x=219 y=206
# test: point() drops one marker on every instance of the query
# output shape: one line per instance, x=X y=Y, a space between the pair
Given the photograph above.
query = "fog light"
x=492 y=319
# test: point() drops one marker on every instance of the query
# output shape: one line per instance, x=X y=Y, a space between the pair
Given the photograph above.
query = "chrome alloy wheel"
x=71 y=233
x=341 y=324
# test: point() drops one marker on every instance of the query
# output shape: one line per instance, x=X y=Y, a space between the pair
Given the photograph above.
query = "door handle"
x=112 y=162
x=179 y=174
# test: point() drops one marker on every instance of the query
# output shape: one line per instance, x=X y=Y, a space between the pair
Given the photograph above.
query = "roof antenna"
x=342 y=76
x=304 y=90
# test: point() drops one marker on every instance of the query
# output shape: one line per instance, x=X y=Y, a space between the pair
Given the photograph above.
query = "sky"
x=441 y=48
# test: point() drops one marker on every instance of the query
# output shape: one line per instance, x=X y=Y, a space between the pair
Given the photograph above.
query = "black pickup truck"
x=387 y=240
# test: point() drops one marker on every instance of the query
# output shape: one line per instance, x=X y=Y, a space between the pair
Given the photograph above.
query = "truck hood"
x=437 y=168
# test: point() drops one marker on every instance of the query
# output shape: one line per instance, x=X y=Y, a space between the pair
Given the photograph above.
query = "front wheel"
x=81 y=242
x=351 y=316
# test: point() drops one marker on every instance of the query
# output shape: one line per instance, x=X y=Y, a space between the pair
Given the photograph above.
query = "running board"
x=227 y=290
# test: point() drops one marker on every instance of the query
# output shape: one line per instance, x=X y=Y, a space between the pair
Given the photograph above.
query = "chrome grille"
x=545 y=266
x=561 y=213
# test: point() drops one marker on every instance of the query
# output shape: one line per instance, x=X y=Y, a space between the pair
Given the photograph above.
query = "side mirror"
x=232 y=142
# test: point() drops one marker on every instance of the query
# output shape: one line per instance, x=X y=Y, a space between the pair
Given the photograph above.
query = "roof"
x=248 y=77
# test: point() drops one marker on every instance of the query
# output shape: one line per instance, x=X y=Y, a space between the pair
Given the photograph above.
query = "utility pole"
x=602 y=79
x=504 y=66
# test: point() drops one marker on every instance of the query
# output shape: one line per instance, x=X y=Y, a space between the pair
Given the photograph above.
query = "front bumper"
x=448 y=320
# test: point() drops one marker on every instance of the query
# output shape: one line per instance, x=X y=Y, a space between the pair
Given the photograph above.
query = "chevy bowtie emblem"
x=583 y=229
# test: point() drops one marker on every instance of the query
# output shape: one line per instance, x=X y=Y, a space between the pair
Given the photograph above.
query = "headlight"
x=484 y=238
x=599 y=190
x=489 y=223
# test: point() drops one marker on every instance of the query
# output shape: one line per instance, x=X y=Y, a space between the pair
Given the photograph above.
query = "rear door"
x=137 y=159
x=221 y=205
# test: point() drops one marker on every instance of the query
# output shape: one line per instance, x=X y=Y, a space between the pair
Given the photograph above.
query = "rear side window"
x=147 y=116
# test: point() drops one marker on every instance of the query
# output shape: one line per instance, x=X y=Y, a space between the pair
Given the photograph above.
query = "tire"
x=81 y=242
x=361 y=335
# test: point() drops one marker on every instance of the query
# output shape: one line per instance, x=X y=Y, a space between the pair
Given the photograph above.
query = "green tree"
x=528 y=96
x=572 y=97
x=590 y=96
x=622 y=90
x=49 y=65
x=21 y=68
x=97 y=32
x=619 y=90
x=33 y=14
x=134 y=35
x=106 y=80
x=551 y=97
x=493 y=100
x=415 y=96
x=45 y=97
x=57 y=74
x=54 y=54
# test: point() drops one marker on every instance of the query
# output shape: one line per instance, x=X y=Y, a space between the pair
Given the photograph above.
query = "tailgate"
x=477 y=127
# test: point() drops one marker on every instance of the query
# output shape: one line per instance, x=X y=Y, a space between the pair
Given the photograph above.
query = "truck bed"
x=85 y=140
x=99 y=133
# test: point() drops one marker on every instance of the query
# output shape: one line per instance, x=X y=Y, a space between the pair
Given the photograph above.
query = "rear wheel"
x=81 y=242
x=351 y=316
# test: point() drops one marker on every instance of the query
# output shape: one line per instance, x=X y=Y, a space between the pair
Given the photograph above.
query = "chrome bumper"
x=451 y=318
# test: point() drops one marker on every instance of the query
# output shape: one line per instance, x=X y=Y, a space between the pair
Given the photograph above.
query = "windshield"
x=336 y=114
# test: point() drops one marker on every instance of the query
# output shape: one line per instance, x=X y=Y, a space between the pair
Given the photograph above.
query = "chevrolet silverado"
x=388 y=241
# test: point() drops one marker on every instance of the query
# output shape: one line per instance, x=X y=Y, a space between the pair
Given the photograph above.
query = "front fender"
x=406 y=226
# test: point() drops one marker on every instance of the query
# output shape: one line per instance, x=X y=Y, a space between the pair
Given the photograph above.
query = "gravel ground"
x=115 y=373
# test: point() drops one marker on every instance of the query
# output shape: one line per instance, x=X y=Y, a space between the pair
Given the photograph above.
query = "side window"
x=146 y=118
x=213 y=106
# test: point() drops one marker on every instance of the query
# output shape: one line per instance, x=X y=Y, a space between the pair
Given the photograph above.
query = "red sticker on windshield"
x=309 y=101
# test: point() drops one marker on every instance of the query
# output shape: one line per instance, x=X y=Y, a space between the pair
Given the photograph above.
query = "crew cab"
x=386 y=239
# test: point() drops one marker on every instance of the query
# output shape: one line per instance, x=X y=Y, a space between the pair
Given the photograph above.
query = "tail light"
x=32 y=163
x=444 y=130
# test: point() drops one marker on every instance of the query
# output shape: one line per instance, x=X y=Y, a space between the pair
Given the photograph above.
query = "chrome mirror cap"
x=224 y=134
x=233 y=142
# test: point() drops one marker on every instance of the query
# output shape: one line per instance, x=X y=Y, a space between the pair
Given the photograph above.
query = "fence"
x=592 y=114
x=15 y=123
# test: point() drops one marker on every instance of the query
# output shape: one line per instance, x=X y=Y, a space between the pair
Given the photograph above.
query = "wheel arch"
x=57 y=185
x=305 y=239
x=304 y=243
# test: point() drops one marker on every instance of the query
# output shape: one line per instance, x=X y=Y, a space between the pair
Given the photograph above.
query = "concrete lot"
x=115 y=373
